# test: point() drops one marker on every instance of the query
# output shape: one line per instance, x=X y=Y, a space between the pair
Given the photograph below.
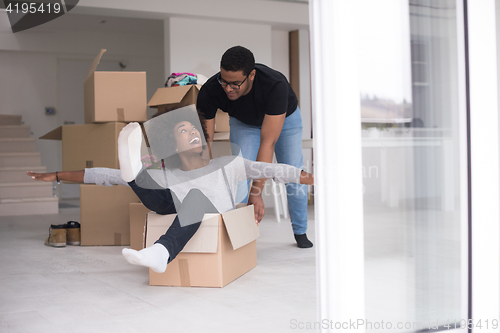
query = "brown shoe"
x=57 y=236
x=73 y=236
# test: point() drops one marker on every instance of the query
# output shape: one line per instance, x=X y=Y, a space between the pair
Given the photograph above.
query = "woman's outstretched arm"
x=281 y=173
x=72 y=176
x=99 y=176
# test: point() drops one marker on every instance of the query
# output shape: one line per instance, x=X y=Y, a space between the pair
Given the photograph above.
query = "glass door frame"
x=482 y=90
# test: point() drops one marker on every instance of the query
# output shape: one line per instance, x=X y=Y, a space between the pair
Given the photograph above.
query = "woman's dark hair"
x=238 y=58
x=161 y=134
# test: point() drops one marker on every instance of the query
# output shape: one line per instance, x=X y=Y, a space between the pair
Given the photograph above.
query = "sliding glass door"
x=406 y=91
x=414 y=156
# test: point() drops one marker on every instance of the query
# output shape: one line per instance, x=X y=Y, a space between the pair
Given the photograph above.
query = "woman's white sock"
x=129 y=151
x=154 y=257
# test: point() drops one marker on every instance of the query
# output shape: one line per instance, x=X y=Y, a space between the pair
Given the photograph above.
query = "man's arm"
x=210 y=125
x=206 y=105
x=269 y=134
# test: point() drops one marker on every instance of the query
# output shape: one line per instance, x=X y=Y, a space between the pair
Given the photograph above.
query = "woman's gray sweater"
x=211 y=180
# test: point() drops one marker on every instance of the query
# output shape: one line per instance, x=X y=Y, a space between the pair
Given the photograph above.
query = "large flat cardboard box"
x=114 y=96
x=223 y=249
x=171 y=98
x=138 y=214
x=87 y=146
x=104 y=214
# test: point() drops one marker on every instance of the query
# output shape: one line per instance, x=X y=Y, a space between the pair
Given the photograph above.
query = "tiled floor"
x=93 y=289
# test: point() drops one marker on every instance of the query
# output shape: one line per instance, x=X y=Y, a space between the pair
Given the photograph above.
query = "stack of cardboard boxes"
x=112 y=99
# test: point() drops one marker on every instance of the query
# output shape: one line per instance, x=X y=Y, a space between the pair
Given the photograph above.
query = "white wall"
x=305 y=95
x=497 y=13
x=281 y=62
x=196 y=45
x=44 y=39
x=28 y=84
x=305 y=82
x=281 y=52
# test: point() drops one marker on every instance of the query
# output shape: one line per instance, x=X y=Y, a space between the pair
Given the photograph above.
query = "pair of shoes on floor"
x=61 y=235
x=302 y=241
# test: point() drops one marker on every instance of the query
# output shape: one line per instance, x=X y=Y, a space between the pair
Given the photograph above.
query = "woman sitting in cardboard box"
x=190 y=184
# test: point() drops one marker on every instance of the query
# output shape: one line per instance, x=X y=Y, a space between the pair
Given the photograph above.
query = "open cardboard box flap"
x=240 y=225
x=96 y=61
x=171 y=95
x=53 y=135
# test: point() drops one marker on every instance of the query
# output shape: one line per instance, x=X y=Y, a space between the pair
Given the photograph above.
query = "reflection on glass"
x=414 y=267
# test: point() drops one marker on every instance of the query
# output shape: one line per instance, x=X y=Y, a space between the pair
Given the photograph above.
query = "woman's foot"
x=154 y=257
x=129 y=151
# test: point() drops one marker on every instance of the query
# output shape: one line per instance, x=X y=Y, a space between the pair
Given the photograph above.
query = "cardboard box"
x=223 y=249
x=138 y=214
x=87 y=146
x=221 y=121
x=220 y=146
x=104 y=214
x=168 y=99
x=114 y=96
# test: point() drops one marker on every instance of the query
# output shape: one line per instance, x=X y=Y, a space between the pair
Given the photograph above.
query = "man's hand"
x=258 y=203
x=46 y=177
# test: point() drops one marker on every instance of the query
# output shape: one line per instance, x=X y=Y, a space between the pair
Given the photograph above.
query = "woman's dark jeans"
x=190 y=213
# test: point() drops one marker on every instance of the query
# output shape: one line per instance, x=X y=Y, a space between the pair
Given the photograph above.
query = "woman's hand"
x=46 y=177
x=306 y=178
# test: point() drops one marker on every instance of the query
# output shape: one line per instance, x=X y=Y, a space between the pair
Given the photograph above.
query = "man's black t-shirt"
x=271 y=94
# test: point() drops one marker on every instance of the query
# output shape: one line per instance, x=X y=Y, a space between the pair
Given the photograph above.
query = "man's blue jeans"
x=288 y=150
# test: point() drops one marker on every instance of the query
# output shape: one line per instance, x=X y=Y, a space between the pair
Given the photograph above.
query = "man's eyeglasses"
x=232 y=85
